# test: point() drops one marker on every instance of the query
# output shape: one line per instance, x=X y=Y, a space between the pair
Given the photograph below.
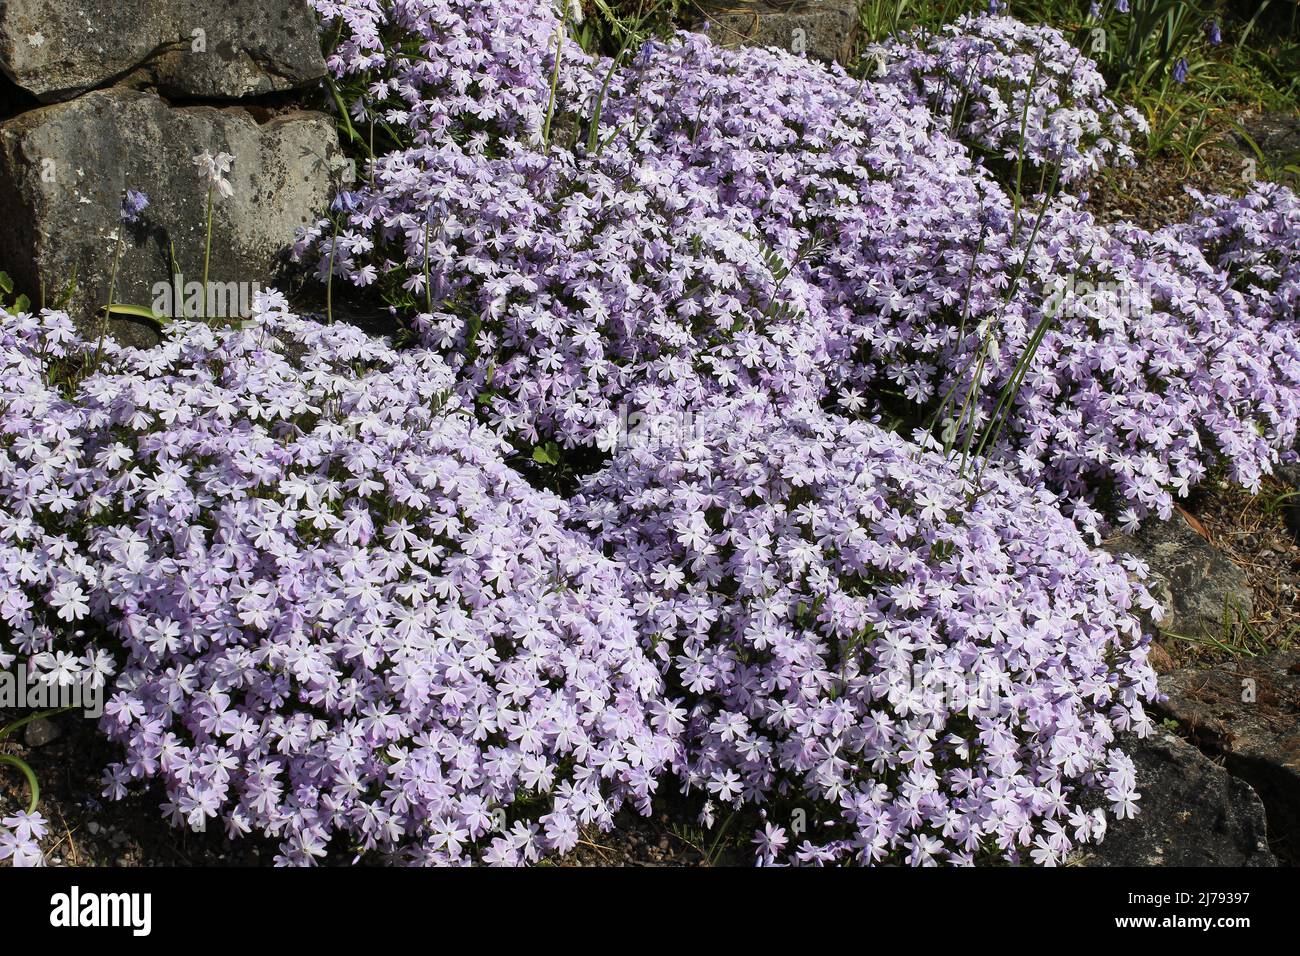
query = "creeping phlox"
x=560 y=295
x=1151 y=371
x=936 y=676
x=1256 y=241
x=440 y=68
x=745 y=219
x=709 y=228
x=1018 y=92
x=329 y=612
x=20 y=838
x=1159 y=373
x=337 y=612
x=45 y=576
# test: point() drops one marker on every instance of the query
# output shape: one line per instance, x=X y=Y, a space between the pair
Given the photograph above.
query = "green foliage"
x=880 y=19
x=611 y=26
x=1238 y=636
x=1143 y=45
x=19 y=304
x=547 y=454
x=135 y=311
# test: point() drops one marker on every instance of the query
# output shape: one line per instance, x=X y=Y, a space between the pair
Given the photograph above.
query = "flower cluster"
x=448 y=69
x=215 y=170
x=1256 y=240
x=939 y=672
x=873 y=207
x=338 y=612
x=133 y=206
x=20 y=839
x=1151 y=370
x=45 y=577
x=562 y=296
x=1018 y=92
x=752 y=221
x=707 y=234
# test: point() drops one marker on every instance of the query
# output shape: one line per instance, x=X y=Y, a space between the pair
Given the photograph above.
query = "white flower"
x=36 y=39
x=214 y=170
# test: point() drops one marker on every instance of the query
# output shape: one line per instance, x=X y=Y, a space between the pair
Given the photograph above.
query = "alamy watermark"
x=79 y=908
x=1080 y=298
x=668 y=430
x=215 y=300
x=21 y=690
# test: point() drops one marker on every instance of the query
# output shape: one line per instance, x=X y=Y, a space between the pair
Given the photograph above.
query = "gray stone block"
x=56 y=49
x=64 y=170
x=823 y=29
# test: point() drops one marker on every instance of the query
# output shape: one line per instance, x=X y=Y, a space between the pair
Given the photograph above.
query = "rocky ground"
x=1154 y=193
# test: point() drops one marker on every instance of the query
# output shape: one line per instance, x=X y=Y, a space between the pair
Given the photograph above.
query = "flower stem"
x=329 y=280
x=560 y=33
x=428 y=289
x=26 y=771
x=207 y=258
x=112 y=285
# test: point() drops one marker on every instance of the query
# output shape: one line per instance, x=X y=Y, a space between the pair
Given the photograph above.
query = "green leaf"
x=33 y=786
x=548 y=454
x=139 y=311
x=22 y=304
x=6 y=283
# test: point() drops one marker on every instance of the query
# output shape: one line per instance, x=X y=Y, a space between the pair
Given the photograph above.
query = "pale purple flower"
x=811 y=676
x=214 y=170
x=20 y=839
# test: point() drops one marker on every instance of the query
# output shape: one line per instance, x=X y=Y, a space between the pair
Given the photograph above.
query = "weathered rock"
x=1248 y=710
x=1199 y=588
x=56 y=49
x=40 y=732
x=1192 y=813
x=820 y=28
x=61 y=202
x=1159 y=659
x=1278 y=137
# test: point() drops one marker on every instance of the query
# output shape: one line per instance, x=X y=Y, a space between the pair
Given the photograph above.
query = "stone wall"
x=824 y=29
x=119 y=95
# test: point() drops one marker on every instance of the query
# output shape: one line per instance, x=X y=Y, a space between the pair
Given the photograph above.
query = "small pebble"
x=40 y=732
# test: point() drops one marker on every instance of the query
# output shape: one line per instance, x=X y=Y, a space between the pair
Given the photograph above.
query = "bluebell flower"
x=134 y=204
x=346 y=201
